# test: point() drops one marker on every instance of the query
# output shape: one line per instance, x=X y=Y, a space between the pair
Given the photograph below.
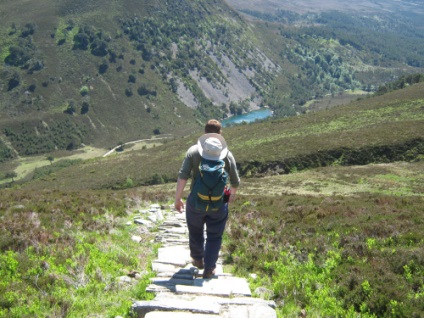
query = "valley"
x=100 y=100
x=313 y=6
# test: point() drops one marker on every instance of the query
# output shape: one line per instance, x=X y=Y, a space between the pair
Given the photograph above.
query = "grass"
x=374 y=130
x=338 y=253
x=330 y=238
x=333 y=241
x=62 y=253
x=396 y=179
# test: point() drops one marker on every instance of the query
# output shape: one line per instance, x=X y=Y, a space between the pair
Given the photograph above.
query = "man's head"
x=213 y=127
x=212 y=146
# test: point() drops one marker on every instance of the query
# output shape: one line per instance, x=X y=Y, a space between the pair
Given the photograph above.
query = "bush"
x=18 y=56
x=103 y=67
x=128 y=92
x=85 y=108
x=84 y=90
x=13 y=82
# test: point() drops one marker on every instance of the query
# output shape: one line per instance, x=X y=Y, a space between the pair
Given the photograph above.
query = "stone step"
x=222 y=301
x=171 y=305
x=222 y=286
x=254 y=311
x=174 y=255
x=192 y=277
x=180 y=290
x=141 y=308
x=165 y=314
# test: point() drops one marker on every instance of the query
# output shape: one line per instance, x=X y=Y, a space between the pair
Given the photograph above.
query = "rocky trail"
x=180 y=290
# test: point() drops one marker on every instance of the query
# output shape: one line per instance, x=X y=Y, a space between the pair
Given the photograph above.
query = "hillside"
x=103 y=73
x=380 y=129
x=328 y=217
x=314 y=6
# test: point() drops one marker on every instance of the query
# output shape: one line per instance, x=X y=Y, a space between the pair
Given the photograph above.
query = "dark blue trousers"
x=215 y=226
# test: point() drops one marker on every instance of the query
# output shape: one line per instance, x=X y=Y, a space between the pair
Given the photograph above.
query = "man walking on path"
x=210 y=146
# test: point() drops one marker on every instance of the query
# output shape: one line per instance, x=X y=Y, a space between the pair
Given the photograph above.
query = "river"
x=249 y=117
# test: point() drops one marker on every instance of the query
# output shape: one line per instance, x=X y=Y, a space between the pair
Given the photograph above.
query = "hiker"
x=210 y=209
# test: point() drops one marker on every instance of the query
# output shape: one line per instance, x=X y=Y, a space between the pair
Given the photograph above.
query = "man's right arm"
x=179 y=204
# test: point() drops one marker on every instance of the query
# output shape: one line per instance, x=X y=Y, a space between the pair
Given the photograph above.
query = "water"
x=248 y=117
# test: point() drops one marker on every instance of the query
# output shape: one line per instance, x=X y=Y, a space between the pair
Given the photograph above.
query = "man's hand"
x=179 y=205
x=233 y=195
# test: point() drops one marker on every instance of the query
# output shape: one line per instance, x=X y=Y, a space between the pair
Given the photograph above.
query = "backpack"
x=207 y=193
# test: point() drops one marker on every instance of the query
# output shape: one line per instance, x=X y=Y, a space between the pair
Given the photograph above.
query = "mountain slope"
x=103 y=72
x=106 y=72
x=375 y=130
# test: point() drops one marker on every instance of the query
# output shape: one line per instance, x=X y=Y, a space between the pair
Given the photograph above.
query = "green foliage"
x=400 y=83
x=54 y=167
x=5 y=152
x=129 y=183
x=23 y=51
x=165 y=47
x=11 y=175
x=331 y=255
x=61 y=134
x=381 y=129
x=84 y=90
x=68 y=265
x=88 y=37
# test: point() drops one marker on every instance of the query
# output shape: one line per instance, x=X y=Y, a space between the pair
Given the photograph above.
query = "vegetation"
x=393 y=34
x=332 y=255
x=5 y=152
x=380 y=129
x=329 y=214
x=335 y=239
x=62 y=253
x=335 y=51
x=104 y=69
x=49 y=136
x=402 y=82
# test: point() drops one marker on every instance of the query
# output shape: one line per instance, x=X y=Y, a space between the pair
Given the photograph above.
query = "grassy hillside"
x=102 y=73
x=334 y=241
x=380 y=129
x=340 y=234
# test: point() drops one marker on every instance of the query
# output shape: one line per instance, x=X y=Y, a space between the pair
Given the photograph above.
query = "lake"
x=248 y=117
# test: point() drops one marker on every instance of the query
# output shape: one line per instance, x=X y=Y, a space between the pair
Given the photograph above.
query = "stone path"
x=182 y=292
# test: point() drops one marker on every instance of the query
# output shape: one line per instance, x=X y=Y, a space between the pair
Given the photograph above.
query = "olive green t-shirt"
x=190 y=166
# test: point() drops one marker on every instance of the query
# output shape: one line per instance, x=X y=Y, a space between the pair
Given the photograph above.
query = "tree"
x=14 y=82
x=70 y=109
x=131 y=79
x=85 y=108
x=103 y=67
x=50 y=158
x=11 y=175
x=17 y=56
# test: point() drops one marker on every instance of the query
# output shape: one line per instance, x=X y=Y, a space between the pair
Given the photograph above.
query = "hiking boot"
x=208 y=273
x=197 y=263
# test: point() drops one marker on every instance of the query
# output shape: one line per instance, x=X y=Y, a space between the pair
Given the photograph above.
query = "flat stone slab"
x=254 y=311
x=172 y=281
x=177 y=275
x=144 y=307
x=162 y=314
x=143 y=222
x=223 y=286
x=223 y=301
x=174 y=252
x=162 y=268
x=176 y=230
